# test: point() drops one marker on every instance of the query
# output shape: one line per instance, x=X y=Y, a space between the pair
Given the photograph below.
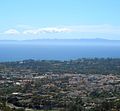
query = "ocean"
x=17 y=52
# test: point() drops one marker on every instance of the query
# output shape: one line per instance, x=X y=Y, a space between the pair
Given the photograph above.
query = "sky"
x=59 y=19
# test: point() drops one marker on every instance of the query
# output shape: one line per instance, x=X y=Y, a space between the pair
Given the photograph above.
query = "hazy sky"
x=60 y=19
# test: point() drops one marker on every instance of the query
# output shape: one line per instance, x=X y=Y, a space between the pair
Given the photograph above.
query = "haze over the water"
x=59 y=19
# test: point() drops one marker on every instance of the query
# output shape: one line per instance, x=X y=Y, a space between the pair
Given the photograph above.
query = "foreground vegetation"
x=75 y=85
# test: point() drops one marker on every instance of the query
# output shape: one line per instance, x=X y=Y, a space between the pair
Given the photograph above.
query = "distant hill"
x=96 y=41
x=36 y=40
x=78 y=66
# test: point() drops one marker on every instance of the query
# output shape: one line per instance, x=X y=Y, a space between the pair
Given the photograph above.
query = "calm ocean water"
x=13 y=52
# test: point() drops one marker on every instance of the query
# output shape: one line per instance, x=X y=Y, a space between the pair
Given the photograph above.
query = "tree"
x=76 y=105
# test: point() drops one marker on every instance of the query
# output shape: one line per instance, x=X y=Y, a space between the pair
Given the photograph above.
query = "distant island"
x=81 y=40
x=97 y=41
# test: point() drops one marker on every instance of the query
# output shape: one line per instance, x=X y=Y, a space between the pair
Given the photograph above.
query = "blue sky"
x=60 y=19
